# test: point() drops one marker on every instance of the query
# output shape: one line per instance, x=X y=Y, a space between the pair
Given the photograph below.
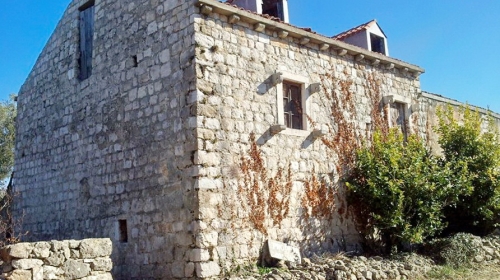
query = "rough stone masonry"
x=147 y=149
x=87 y=259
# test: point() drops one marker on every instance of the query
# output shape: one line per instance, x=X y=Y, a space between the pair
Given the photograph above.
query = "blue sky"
x=457 y=42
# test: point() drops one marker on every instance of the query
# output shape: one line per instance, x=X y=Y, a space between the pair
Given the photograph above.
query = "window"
x=398 y=117
x=293 y=102
x=377 y=43
x=274 y=8
x=122 y=231
x=292 y=105
x=399 y=111
x=86 y=24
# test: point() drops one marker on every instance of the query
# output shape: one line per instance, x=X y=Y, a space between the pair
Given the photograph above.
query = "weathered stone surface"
x=19 y=275
x=75 y=269
x=101 y=264
x=150 y=142
x=26 y=264
x=282 y=251
x=189 y=270
x=57 y=265
x=207 y=269
x=41 y=249
x=37 y=273
x=93 y=248
x=55 y=259
x=20 y=250
x=104 y=276
x=51 y=272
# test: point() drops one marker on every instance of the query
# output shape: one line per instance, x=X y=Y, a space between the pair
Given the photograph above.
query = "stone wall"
x=110 y=156
x=88 y=259
x=238 y=96
x=149 y=150
x=237 y=99
x=428 y=106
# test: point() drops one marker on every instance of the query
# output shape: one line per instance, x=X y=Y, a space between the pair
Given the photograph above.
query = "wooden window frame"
x=404 y=105
x=86 y=36
x=292 y=105
x=303 y=83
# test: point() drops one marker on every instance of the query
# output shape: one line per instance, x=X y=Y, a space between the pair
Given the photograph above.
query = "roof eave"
x=293 y=31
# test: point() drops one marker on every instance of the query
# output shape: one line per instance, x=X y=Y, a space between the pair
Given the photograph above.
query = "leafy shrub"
x=399 y=190
x=7 y=136
x=474 y=156
x=456 y=251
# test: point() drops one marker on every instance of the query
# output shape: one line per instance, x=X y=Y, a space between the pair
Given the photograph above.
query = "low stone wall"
x=88 y=259
x=341 y=267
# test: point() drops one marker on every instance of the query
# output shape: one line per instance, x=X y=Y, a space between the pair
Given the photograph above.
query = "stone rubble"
x=88 y=259
x=343 y=267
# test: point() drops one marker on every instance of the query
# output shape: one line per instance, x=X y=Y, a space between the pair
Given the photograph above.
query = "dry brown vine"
x=263 y=196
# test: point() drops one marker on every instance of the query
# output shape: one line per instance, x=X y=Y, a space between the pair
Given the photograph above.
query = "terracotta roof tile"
x=358 y=28
x=354 y=30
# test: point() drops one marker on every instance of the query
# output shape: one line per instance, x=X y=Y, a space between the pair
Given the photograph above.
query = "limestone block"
x=61 y=247
x=275 y=251
x=20 y=250
x=37 y=273
x=177 y=270
x=75 y=270
x=207 y=269
x=74 y=244
x=189 y=270
x=41 y=249
x=75 y=254
x=93 y=248
x=206 y=240
x=101 y=264
x=103 y=276
x=55 y=259
x=206 y=183
x=199 y=255
x=26 y=263
x=206 y=111
x=19 y=275
x=52 y=272
x=207 y=159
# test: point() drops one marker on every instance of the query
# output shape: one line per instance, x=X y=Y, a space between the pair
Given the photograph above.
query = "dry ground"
x=484 y=272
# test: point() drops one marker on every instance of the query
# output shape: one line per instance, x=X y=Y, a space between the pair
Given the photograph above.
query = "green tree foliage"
x=399 y=190
x=471 y=146
x=7 y=136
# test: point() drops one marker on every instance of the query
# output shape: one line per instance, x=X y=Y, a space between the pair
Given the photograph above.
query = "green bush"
x=399 y=190
x=7 y=136
x=471 y=147
x=455 y=251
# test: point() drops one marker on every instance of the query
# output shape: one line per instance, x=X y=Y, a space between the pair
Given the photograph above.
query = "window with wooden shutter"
x=398 y=117
x=292 y=105
x=86 y=39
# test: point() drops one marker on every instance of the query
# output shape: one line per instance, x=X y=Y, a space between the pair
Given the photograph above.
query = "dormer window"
x=275 y=8
x=377 y=43
x=367 y=36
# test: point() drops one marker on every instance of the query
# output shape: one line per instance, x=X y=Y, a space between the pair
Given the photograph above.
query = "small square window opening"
x=377 y=44
x=122 y=230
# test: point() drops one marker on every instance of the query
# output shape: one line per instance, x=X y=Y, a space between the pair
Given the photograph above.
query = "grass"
x=264 y=270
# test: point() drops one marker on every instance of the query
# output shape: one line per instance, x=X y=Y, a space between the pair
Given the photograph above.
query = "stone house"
x=190 y=132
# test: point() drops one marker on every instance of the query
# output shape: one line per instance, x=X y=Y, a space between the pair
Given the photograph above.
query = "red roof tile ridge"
x=354 y=30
